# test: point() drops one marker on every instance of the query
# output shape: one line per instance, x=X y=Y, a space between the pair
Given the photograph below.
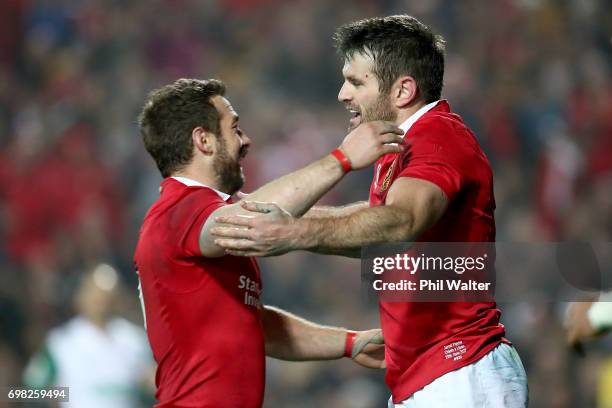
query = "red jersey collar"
x=439 y=105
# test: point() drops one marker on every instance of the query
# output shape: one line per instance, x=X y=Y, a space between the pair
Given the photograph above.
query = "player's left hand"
x=577 y=323
x=266 y=234
x=369 y=349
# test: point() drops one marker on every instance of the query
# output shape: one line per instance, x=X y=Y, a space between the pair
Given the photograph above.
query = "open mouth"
x=355 y=117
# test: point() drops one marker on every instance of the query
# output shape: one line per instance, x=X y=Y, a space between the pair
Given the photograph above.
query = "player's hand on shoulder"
x=266 y=231
x=369 y=349
x=370 y=140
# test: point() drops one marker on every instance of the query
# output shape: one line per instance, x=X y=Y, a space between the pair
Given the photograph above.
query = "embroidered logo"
x=385 y=184
x=377 y=175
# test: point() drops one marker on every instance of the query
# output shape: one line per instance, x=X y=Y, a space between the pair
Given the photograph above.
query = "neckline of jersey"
x=407 y=124
x=193 y=183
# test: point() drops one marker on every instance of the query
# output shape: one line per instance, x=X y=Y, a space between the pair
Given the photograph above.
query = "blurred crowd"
x=532 y=78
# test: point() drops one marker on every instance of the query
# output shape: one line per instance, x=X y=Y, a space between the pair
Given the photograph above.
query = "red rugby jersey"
x=202 y=314
x=441 y=150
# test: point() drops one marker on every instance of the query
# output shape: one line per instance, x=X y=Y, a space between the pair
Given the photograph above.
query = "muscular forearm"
x=295 y=193
x=322 y=212
x=335 y=212
x=298 y=191
x=412 y=206
x=289 y=337
x=364 y=227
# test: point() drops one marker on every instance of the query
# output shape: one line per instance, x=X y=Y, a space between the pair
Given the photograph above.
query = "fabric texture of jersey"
x=442 y=150
x=202 y=314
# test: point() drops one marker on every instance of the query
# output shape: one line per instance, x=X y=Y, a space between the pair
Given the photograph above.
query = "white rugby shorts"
x=497 y=380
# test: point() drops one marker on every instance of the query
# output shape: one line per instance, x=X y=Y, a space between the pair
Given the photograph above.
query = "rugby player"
x=205 y=322
x=439 y=189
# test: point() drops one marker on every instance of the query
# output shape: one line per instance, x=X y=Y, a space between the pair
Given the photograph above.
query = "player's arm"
x=289 y=337
x=324 y=211
x=321 y=211
x=412 y=206
x=296 y=192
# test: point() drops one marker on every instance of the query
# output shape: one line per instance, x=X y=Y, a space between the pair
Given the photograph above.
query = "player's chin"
x=354 y=122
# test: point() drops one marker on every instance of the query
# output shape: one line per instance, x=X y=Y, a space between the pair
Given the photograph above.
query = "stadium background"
x=531 y=77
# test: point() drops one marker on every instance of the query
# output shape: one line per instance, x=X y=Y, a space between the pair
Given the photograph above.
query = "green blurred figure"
x=103 y=358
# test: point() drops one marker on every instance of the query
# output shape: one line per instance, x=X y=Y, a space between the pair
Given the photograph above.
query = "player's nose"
x=245 y=141
x=344 y=95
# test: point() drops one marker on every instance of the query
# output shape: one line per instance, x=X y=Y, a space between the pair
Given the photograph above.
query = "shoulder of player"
x=176 y=187
x=195 y=197
x=173 y=193
x=440 y=124
x=206 y=191
x=444 y=131
x=180 y=204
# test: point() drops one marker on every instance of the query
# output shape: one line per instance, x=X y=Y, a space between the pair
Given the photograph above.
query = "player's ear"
x=404 y=91
x=203 y=140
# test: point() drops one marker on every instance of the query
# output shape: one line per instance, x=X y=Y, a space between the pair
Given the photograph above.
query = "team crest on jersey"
x=387 y=180
x=376 y=178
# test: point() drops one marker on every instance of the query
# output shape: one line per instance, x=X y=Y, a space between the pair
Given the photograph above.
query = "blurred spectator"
x=103 y=359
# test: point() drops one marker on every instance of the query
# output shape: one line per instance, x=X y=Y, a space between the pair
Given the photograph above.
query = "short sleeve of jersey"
x=190 y=215
x=430 y=156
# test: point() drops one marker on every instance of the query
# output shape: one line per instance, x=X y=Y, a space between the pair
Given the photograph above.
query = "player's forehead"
x=225 y=109
x=359 y=65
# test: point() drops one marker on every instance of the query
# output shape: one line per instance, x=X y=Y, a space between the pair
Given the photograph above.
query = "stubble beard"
x=228 y=171
x=379 y=110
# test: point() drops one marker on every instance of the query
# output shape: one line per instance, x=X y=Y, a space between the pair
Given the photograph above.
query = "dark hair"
x=169 y=116
x=399 y=45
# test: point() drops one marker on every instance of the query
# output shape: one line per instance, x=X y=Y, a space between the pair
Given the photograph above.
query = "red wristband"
x=348 y=345
x=344 y=161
